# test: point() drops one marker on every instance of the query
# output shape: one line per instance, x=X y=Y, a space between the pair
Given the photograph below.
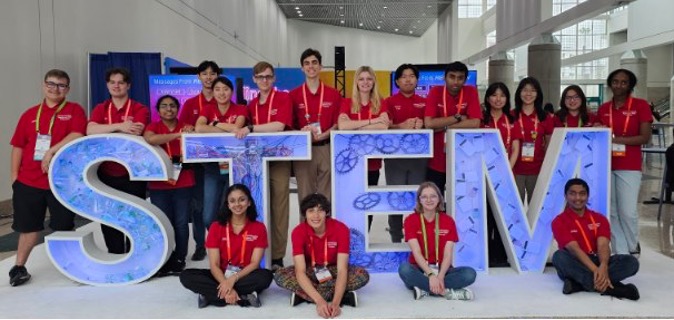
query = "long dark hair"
x=564 y=110
x=225 y=213
x=487 y=106
x=538 y=103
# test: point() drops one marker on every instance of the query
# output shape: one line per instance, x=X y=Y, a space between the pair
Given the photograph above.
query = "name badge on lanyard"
x=42 y=145
x=528 y=150
x=231 y=270
x=618 y=150
x=176 y=173
x=434 y=267
x=316 y=125
x=322 y=274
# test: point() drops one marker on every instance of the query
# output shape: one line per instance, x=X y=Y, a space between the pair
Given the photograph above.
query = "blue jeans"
x=214 y=185
x=620 y=267
x=197 y=206
x=456 y=278
x=176 y=205
x=624 y=216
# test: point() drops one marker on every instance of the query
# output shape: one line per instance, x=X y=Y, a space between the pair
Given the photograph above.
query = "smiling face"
x=572 y=100
x=168 y=109
x=207 y=77
x=117 y=87
x=528 y=94
x=497 y=100
x=222 y=93
x=365 y=82
x=264 y=80
x=311 y=67
x=429 y=199
x=576 y=198
x=407 y=81
x=238 y=203
x=316 y=217
x=455 y=81
x=55 y=90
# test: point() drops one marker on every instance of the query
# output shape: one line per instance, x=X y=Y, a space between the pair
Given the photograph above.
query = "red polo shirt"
x=212 y=113
x=173 y=148
x=435 y=108
x=70 y=119
x=565 y=229
x=193 y=107
x=305 y=242
x=574 y=121
x=365 y=114
x=637 y=114
x=106 y=113
x=256 y=237
x=446 y=229
x=528 y=124
x=401 y=108
x=329 y=110
x=278 y=107
x=509 y=130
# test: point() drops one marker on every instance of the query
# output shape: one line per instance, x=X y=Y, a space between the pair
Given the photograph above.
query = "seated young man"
x=584 y=261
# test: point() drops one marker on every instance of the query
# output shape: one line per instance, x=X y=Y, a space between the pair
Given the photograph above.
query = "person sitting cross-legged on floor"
x=431 y=234
x=584 y=261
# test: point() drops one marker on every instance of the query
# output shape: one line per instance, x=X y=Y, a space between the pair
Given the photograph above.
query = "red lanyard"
x=534 y=134
x=313 y=253
x=306 y=103
x=627 y=117
x=168 y=144
x=444 y=101
x=126 y=114
x=201 y=107
x=369 y=112
x=229 y=246
x=507 y=127
x=582 y=232
x=271 y=102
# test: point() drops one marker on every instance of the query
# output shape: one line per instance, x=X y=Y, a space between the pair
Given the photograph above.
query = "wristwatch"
x=430 y=273
x=457 y=117
x=215 y=123
x=250 y=128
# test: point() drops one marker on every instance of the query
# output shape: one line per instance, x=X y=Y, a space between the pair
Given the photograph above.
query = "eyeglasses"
x=264 y=77
x=168 y=106
x=431 y=197
x=571 y=98
x=54 y=85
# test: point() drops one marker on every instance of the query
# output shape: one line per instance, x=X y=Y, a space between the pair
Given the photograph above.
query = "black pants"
x=372 y=180
x=115 y=239
x=201 y=281
x=497 y=253
x=439 y=178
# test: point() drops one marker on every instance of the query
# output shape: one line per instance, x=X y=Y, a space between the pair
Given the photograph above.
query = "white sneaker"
x=459 y=294
x=418 y=293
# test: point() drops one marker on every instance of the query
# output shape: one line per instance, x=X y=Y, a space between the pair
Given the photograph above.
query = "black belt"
x=321 y=143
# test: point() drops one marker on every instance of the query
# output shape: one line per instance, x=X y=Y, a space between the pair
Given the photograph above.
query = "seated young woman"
x=321 y=274
x=235 y=244
x=431 y=234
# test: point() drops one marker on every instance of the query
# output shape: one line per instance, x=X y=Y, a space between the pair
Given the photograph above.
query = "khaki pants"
x=279 y=190
x=314 y=176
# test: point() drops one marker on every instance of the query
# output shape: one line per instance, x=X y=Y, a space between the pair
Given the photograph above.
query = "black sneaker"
x=571 y=286
x=350 y=299
x=199 y=254
x=172 y=267
x=637 y=252
x=623 y=291
x=18 y=275
x=250 y=300
x=295 y=299
x=276 y=264
x=202 y=301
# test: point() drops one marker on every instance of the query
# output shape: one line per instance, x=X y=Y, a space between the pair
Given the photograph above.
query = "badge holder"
x=317 y=125
x=322 y=274
x=618 y=150
x=528 y=150
x=177 y=167
x=42 y=145
x=434 y=267
x=231 y=270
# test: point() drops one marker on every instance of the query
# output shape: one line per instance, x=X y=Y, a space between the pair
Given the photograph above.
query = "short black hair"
x=224 y=80
x=311 y=52
x=175 y=100
x=630 y=75
x=402 y=68
x=457 y=66
x=312 y=201
x=204 y=65
x=126 y=74
x=576 y=182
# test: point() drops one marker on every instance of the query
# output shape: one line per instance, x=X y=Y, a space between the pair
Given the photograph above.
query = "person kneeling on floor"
x=584 y=261
x=235 y=245
x=321 y=274
x=431 y=234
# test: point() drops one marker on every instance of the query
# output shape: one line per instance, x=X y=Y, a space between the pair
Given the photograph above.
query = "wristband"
x=215 y=123
x=250 y=128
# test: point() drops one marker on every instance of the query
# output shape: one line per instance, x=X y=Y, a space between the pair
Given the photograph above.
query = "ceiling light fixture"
x=360 y=24
x=342 y=21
